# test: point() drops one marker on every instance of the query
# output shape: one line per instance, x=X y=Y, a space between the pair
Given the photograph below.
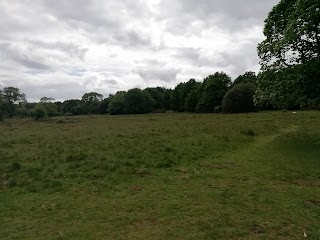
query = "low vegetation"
x=161 y=176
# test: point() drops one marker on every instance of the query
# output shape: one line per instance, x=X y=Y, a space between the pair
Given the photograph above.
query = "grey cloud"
x=111 y=81
x=232 y=15
x=131 y=39
x=103 y=21
x=70 y=49
x=196 y=56
x=190 y=54
x=27 y=57
x=160 y=74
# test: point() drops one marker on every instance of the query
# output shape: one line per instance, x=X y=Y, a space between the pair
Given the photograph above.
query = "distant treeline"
x=213 y=94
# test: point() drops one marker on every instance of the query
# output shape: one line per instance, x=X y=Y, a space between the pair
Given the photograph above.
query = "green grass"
x=161 y=176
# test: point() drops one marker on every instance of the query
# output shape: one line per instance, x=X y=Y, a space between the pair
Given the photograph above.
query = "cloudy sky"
x=65 y=48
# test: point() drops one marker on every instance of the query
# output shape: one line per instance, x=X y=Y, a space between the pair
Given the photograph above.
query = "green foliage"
x=137 y=101
x=1 y=107
x=91 y=97
x=39 y=112
x=289 y=88
x=161 y=97
x=22 y=111
x=193 y=98
x=89 y=103
x=239 y=99
x=180 y=93
x=10 y=97
x=214 y=87
x=47 y=100
x=71 y=106
x=292 y=34
x=117 y=103
x=175 y=98
x=290 y=56
x=1 y=113
x=51 y=109
x=247 y=77
x=102 y=107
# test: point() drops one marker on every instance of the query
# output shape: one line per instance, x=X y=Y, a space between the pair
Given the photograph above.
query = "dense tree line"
x=289 y=78
x=190 y=96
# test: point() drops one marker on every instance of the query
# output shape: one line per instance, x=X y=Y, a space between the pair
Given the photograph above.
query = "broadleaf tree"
x=292 y=45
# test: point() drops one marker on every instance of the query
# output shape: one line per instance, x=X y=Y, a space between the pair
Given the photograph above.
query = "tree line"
x=289 y=78
x=190 y=96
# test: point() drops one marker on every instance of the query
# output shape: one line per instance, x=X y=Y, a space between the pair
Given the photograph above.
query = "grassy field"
x=161 y=176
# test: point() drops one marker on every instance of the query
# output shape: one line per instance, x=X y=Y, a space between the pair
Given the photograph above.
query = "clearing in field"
x=165 y=176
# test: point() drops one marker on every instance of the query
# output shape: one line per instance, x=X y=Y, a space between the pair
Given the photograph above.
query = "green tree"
x=180 y=94
x=71 y=106
x=292 y=45
x=91 y=97
x=39 y=112
x=10 y=97
x=213 y=89
x=102 y=107
x=239 y=99
x=51 y=109
x=158 y=95
x=117 y=103
x=1 y=107
x=89 y=103
x=175 y=98
x=166 y=98
x=137 y=101
x=247 y=77
x=47 y=100
x=193 y=98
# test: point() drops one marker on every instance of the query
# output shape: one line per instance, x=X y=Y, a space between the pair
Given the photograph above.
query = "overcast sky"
x=65 y=48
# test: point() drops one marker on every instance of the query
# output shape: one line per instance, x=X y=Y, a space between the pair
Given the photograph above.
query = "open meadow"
x=161 y=176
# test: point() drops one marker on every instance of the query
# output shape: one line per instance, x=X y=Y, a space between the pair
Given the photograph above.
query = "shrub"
x=239 y=99
x=51 y=109
x=22 y=112
x=39 y=112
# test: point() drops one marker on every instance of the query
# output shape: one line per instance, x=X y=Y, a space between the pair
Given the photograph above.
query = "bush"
x=39 y=112
x=239 y=99
x=22 y=112
x=51 y=109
